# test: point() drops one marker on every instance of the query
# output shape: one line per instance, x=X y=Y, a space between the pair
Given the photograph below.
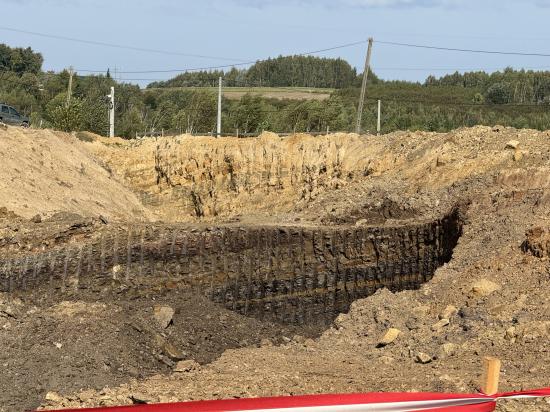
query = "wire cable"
x=224 y=66
x=117 y=46
x=422 y=46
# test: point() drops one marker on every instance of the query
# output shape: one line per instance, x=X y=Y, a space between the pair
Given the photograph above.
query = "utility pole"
x=363 y=88
x=378 y=118
x=111 y=98
x=219 y=126
x=70 y=88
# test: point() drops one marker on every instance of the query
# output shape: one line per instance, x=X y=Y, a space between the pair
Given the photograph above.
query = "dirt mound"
x=43 y=172
x=106 y=340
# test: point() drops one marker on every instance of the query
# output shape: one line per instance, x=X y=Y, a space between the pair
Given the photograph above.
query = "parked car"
x=9 y=115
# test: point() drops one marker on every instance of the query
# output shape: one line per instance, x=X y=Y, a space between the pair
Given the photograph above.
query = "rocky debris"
x=53 y=397
x=163 y=315
x=537 y=242
x=386 y=360
x=169 y=349
x=187 y=366
x=116 y=271
x=518 y=155
x=422 y=358
x=448 y=349
x=36 y=218
x=484 y=287
x=448 y=312
x=440 y=324
x=389 y=337
x=512 y=144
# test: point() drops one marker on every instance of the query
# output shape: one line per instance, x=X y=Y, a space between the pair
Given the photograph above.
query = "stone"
x=448 y=312
x=266 y=342
x=164 y=315
x=518 y=155
x=386 y=360
x=53 y=397
x=116 y=270
x=442 y=160
x=188 y=365
x=361 y=222
x=36 y=219
x=512 y=144
x=449 y=349
x=172 y=352
x=298 y=339
x=440 y=324
x=484 y=287
x=510 y=334
x=422 y=358
x=390 y=336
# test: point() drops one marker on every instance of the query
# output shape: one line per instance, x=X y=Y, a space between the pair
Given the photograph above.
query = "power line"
x=422 y=46
x=224 y=66
x=117 y=46
x=465 y=69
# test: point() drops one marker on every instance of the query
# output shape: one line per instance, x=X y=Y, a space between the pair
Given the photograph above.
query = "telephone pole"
x=70 y=87
x=363 y=88
x=111 y=98
x=219 y=125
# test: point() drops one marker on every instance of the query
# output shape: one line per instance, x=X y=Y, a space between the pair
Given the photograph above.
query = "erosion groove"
x=292 y=274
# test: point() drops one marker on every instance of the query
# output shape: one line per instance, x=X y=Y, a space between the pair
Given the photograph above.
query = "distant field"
x=294 y=93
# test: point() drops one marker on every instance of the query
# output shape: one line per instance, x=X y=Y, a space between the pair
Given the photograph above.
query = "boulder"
x=163 y=315
x=484 y=287
x=422 y=358
x=448 y=312
x=512 y=144
x=36 y=219
x=440 y=324
x=388 y=337
x=188 y=365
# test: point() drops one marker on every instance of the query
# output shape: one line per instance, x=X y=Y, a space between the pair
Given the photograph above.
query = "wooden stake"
x=491 y=373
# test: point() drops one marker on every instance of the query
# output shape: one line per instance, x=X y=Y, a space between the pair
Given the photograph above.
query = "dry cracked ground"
x=98 y=342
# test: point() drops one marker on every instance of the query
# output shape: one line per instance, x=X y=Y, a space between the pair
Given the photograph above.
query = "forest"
x=509 y=97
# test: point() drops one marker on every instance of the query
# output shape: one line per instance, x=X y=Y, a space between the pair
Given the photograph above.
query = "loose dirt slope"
x=44 y=172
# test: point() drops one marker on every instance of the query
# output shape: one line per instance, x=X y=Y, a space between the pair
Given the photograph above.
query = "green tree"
x=498 y=93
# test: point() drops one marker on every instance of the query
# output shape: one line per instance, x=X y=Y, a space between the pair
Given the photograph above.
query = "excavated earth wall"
x=292 y=274
x=186 y=177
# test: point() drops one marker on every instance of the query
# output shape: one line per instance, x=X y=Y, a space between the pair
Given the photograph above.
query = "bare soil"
x=103 y=347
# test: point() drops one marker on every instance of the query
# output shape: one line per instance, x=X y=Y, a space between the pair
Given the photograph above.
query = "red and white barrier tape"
x=367 y=402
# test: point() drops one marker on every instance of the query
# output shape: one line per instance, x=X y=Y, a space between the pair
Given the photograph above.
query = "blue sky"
x=243 y=30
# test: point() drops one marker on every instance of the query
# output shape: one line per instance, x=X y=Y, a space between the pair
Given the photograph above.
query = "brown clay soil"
x=104 y=348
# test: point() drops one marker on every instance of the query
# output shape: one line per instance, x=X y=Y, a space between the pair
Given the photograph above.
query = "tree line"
x=282 y=71
x=515 y=98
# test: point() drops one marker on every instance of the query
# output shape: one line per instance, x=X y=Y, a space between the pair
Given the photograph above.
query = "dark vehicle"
x=11 y=116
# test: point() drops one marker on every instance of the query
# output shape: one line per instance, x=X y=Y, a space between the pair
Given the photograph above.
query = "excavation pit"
x=290 y=274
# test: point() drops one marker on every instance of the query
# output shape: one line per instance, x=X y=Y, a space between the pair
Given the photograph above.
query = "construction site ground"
x=105 y=346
